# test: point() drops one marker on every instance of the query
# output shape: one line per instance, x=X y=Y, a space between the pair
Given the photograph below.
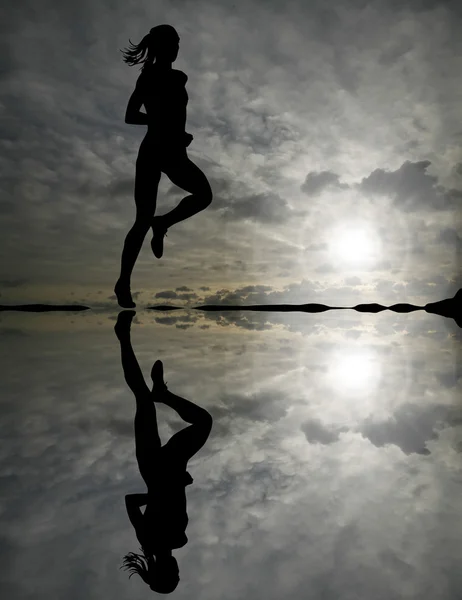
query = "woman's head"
x=161 y=44
x=161 y=573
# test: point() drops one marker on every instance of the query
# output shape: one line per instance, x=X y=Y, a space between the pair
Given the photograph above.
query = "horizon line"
x=445 y=308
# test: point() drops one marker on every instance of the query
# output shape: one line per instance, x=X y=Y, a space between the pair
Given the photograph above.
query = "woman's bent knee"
x=207 y=196
x=206 y=420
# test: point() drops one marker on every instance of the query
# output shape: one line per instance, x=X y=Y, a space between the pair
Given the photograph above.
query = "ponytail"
x=136 y=53
x=137 y=563
x=145 y=51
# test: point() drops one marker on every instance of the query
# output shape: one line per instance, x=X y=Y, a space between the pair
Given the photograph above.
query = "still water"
x=332 y=470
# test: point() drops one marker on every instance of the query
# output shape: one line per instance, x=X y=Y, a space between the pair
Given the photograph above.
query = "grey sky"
x=313 y=123
x=331 y=135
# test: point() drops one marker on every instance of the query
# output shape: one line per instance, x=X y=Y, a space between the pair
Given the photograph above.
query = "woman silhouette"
x=161 y=528
x=163 y=150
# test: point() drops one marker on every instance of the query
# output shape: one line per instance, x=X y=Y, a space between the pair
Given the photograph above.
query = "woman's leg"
x=147 y=440
x=185 y=174
x=132 y=372
x=184 y=444
x=146 y=184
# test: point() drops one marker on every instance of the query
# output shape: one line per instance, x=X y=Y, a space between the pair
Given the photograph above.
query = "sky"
x=330 y=136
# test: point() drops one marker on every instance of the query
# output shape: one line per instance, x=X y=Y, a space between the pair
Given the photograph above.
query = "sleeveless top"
x=165 y=518
x=165 y=99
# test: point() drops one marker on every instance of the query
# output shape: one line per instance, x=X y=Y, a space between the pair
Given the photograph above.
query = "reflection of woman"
x=163 y=150
x=161 y=528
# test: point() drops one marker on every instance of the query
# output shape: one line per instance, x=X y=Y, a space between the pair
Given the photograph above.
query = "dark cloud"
x=411 y=187
x=317 y=433
x=391 y=561
x=168 y=294
x=188 y=320
x=265 y=207
x=12 y=283
x=166 y=320
x=433 y=288
x=121 y=187
x=450 y=236
x=187 y=297
x=255 y=321
x=410 y=428
x=316 y=182
x=396 y=50
x=449 y=379
x=250 y=294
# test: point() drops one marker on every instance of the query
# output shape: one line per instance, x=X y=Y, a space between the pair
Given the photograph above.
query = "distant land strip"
x=43 y=307
x=450 y=308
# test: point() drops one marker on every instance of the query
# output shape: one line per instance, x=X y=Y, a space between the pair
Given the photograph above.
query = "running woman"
x=163 y=150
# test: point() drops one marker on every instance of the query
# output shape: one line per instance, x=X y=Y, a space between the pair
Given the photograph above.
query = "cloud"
x=411 y=187
x=168 y=294
x=317 y=433
x=250 y=294
x=166 y=320
x=12 y=283
x=449 y=379
x=187 y=297
x=353 y=334
x=410 y=428
x=354 y=280
x=316 y=182
x=450 y=237
x=264 y=207
x=179 y=321
x=325 y=268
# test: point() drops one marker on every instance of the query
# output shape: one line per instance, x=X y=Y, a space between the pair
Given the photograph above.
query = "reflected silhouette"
x=161 y=528
x=163 y=150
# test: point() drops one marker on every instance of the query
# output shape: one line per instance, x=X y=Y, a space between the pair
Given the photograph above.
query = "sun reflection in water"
x=354 y=371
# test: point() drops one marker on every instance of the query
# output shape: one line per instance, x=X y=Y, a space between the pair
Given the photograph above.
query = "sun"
x=355 y=245
x=354 y=371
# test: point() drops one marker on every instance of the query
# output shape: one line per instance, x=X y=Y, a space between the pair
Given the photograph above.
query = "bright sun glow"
x=354 y=372
x=355 y=245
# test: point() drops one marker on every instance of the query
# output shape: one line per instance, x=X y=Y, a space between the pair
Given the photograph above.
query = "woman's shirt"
x=165 y=518
x=165 y=99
